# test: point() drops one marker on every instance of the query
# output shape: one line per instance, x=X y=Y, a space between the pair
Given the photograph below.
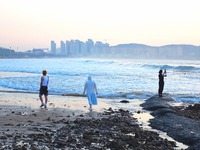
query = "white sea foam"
x=130 y=79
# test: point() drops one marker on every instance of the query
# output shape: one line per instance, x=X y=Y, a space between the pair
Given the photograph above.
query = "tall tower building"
x=62 y=48
x=89 y=45
x=67 y=47
x=53 y=47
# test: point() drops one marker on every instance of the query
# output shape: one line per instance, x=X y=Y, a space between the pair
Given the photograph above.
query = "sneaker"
x=42 y=105
x=90 y=109
x=45 y=106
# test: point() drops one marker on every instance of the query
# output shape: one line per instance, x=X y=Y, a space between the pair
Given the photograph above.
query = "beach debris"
x=110 y=109
x=4 y=137
x=81 y=115
x=22 y=113
x=110 y=130
x=51 y=104
x=30 y=121
x=49 y=118
x=124 y=101
x=34 y=114
x=22 y=145
x=8 y=124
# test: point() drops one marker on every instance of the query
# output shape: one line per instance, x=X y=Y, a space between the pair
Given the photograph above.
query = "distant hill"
x=132 y=45
x=173 y=51
x=131 y=50
x=6 y=52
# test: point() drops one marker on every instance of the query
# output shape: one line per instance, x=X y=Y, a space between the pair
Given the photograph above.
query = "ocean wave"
x=175 y=68
x=142 y=95
x=186 y=68
x=128 y=79
x=187 y=98
x=16 y=73
x=152 y=66
x=98 y=61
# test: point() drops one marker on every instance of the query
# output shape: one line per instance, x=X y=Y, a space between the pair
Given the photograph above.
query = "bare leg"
x=90 y=107
x=46 y=100
x=42 y=103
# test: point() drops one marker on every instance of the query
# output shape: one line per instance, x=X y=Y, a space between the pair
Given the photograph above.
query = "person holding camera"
x=161 y=76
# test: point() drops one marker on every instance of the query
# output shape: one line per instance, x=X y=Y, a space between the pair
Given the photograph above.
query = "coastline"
x=22 y=121
x=18 y=107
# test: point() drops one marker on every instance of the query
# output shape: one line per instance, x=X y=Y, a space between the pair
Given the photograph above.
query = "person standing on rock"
x=44 y=81
x=161 y=82
x=90 y=90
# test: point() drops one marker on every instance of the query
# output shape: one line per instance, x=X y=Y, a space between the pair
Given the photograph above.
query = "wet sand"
x=16 y=108
x=68 y=124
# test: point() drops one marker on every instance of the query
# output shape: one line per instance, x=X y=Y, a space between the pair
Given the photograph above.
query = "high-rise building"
x=67 y=48
x=89 y=45
x=62 y=48
x=73 y=46
x=53 y=47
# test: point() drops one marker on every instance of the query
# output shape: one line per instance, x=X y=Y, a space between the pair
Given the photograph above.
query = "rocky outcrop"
x=172 y=121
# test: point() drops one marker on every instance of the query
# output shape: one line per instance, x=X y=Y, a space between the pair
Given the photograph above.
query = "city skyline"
x=32 y=24
x=98 y=49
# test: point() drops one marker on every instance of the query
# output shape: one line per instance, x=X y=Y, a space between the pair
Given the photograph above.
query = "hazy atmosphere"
x=34 y=23
x=100 y=74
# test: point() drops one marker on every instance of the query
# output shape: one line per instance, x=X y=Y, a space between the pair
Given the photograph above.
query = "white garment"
x=90 y=87
x=91 y=91
x=45 y=81
x=92 y=99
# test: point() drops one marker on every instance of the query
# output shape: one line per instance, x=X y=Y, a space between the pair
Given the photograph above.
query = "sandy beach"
x=68 y=124
x=24 y=125
x=17 y=108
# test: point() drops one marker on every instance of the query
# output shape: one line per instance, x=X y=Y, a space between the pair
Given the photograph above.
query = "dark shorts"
x=43 y=91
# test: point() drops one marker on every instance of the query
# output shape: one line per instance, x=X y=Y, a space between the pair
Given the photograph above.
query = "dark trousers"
x=161 y=87
x=43 y=91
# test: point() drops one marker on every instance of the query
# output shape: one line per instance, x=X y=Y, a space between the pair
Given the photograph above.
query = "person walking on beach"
x=44 y=88
x=90 y=90
x=161 y=82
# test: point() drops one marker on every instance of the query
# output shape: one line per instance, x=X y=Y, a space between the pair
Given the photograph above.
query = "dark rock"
x=162 y=111
x=194 y=107
x=155 y=103
x=34 y=115
x=81 y=115
x=114 y=130
x=180 y=124
x=195 y=146
x=110 y=109
x=124 y=101
x=30 y=121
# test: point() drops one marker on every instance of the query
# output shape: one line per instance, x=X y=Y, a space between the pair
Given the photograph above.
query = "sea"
x=115 y=78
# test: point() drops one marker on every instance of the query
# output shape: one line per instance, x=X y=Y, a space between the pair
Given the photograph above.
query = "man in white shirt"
x=44 y=88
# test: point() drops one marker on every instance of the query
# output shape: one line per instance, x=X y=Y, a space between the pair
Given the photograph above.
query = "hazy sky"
x=28 y=24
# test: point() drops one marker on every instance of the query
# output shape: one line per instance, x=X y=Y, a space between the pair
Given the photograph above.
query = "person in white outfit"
x=90 y=89
x=44 y=81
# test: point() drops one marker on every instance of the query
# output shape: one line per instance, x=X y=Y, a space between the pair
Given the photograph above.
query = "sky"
x=28 y=24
